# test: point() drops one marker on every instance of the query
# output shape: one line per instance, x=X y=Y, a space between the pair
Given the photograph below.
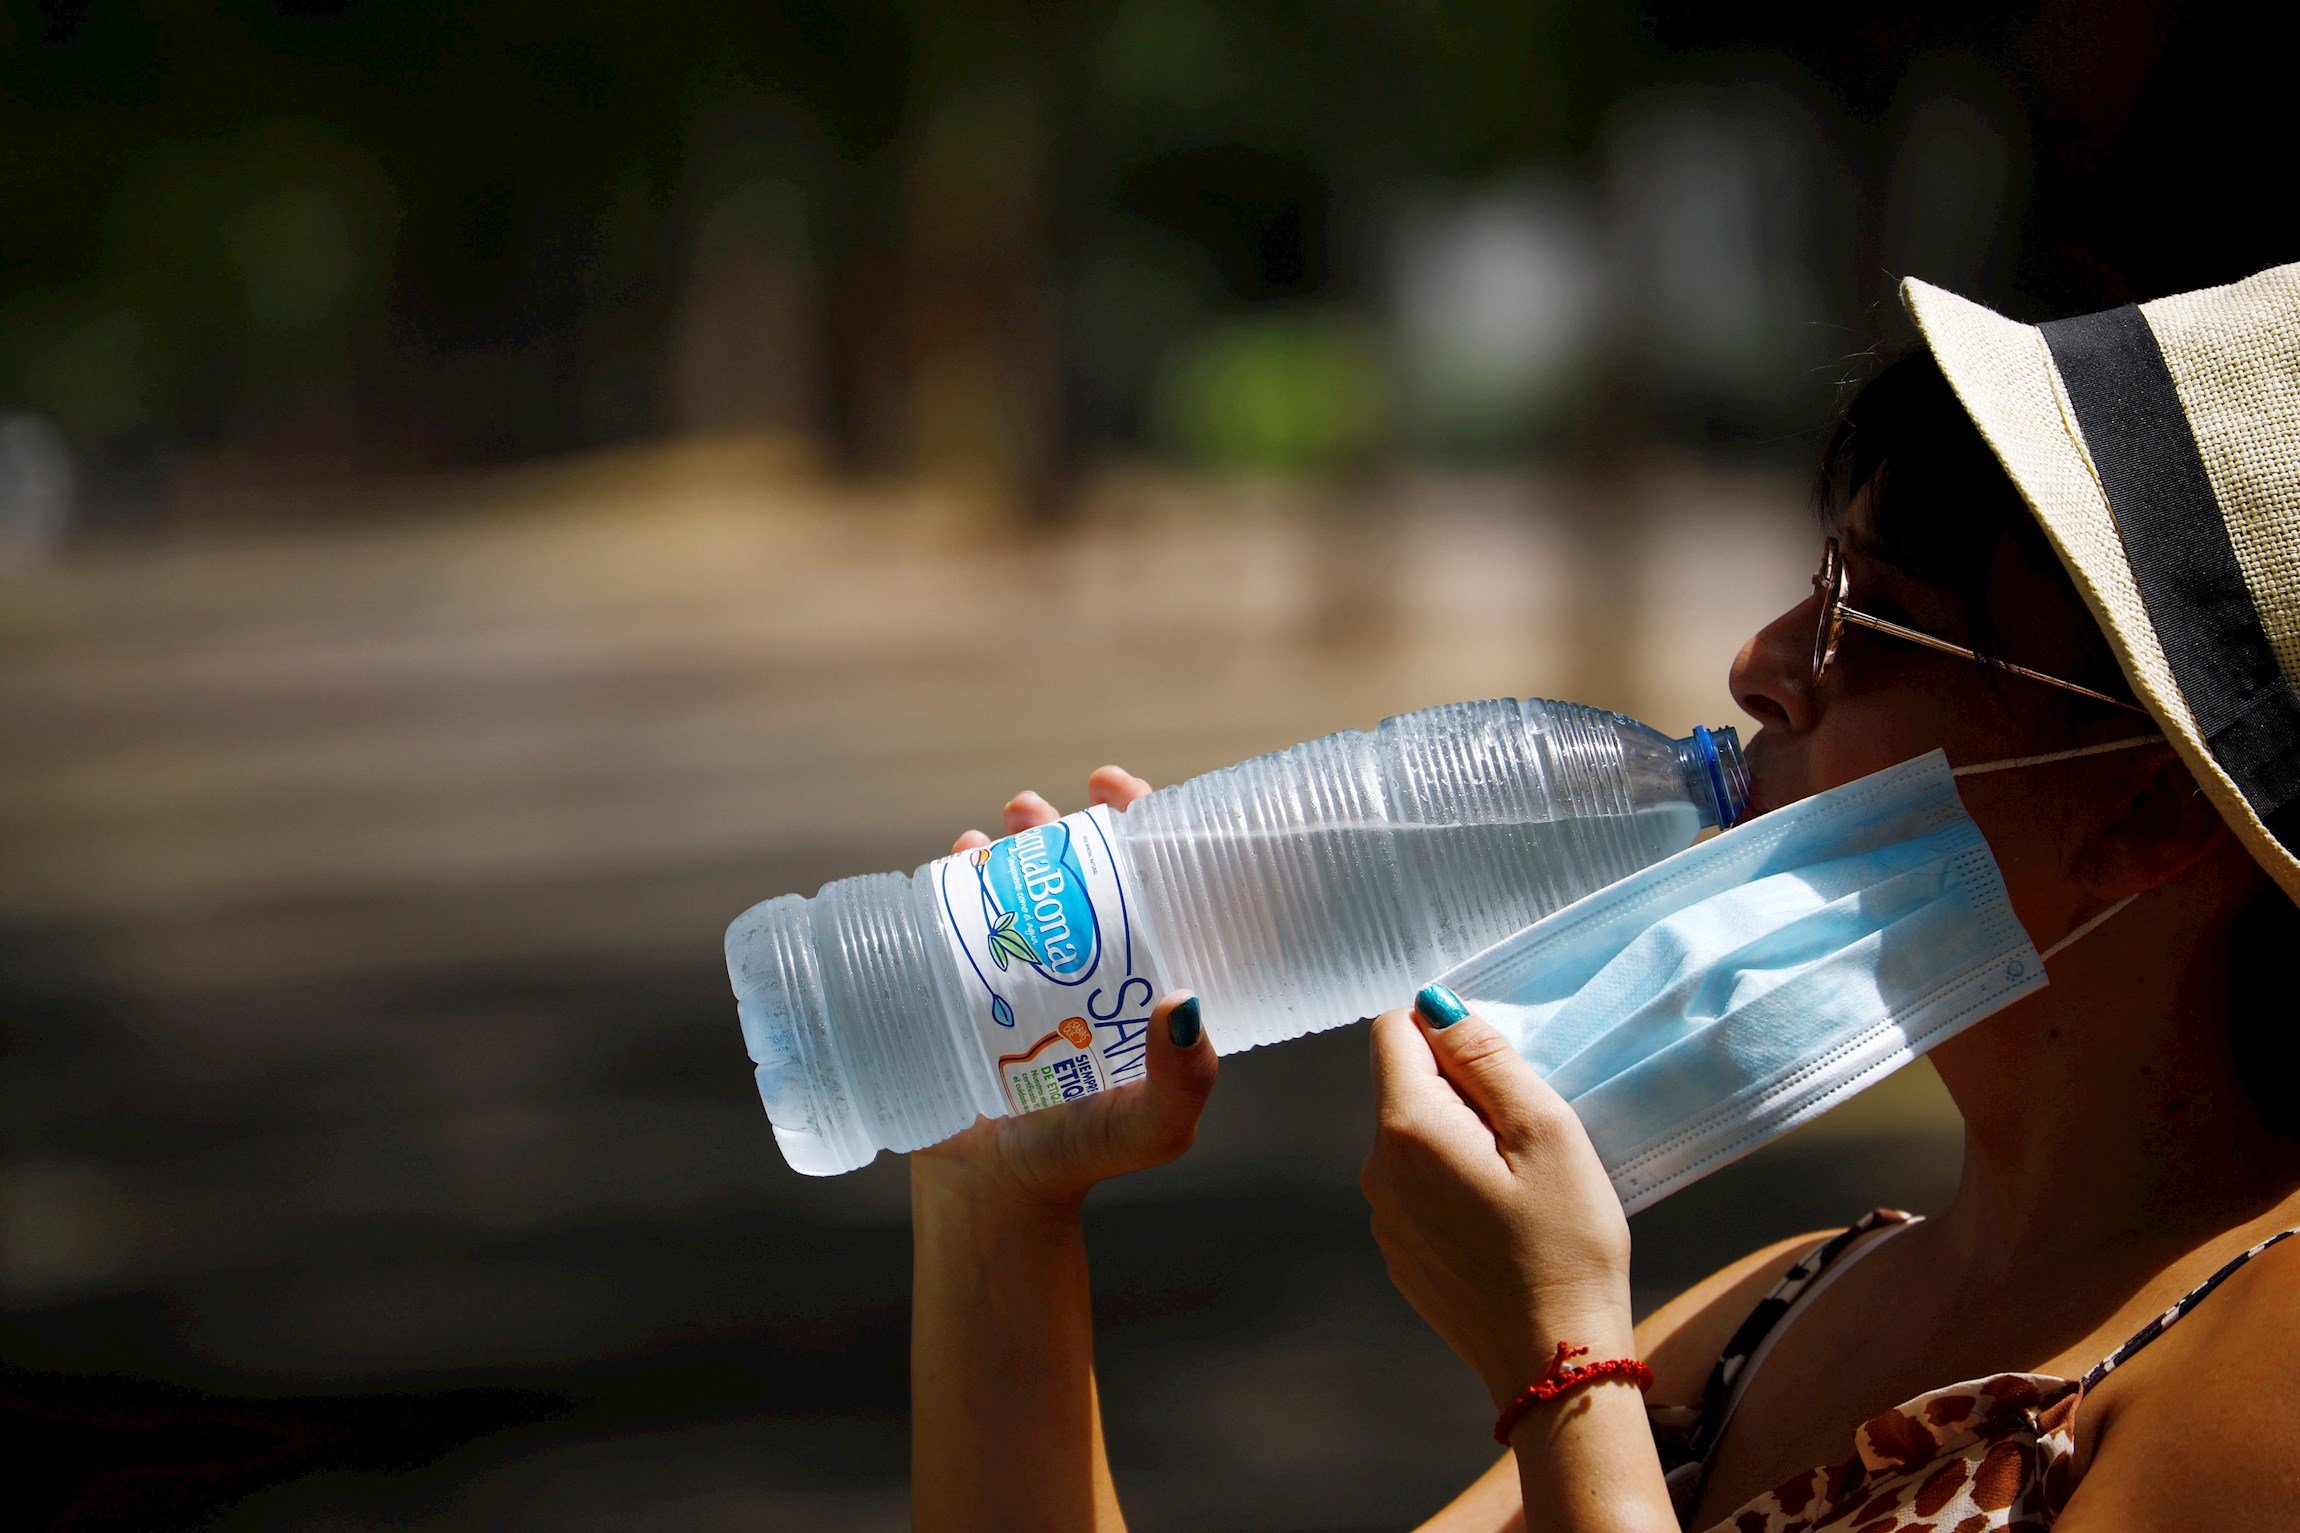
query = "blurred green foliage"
x=467 y=226
x=433 y=232
x=1294 y=391
x=241 y=269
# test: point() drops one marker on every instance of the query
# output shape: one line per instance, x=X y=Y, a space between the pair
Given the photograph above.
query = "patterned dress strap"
x=2172 y=1316
x=1701 y=1438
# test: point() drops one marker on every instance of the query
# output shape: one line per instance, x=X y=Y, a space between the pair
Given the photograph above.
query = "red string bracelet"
x=1557 y=1379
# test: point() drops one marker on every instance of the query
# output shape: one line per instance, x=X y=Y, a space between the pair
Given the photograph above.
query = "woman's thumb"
x=1179 y=1073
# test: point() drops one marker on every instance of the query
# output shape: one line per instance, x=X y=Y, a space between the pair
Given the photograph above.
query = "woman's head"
x=1936 y=537
x=2154 y=446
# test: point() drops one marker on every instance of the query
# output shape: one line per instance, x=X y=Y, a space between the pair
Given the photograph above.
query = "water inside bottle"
x=1287 y=931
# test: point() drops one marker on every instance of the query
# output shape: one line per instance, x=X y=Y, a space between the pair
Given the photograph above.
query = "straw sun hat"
x=2159 y=445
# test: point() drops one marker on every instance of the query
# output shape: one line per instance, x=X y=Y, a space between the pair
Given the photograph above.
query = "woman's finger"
x=1115 y=786
x=968 y=841
x=1408 y=1087
x=1490 y=1074
x=1026 y=809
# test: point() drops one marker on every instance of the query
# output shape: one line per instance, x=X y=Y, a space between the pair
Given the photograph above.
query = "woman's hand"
x=1002 y=1322
x=1493 y=1214
x=1051 y=1158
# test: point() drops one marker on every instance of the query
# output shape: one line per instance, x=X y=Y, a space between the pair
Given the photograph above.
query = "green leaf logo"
x=1006 y=943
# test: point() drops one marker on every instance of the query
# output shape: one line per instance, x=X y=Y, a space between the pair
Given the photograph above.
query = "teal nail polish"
x=1182 y=1024
x=1439 y=1007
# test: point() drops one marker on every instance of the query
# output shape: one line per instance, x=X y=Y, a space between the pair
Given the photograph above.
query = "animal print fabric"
x=1977 y=1457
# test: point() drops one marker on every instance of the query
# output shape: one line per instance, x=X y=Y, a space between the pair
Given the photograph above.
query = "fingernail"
x=1439 y=1007
x=1182 y=1024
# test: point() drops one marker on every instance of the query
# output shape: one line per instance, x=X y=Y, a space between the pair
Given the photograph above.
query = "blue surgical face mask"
x=1729 y=993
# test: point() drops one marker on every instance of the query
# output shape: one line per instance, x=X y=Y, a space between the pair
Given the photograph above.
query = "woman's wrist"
x=1605 y=1329
x=946 y=1186
x=1585 y=1455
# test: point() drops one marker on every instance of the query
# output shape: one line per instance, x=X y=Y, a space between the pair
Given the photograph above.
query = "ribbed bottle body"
x=1320 y=884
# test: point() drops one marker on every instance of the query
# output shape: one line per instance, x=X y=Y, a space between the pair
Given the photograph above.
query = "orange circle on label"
x=1076 y=1030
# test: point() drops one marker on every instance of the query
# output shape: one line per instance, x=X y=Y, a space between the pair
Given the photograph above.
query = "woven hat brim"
x=2002 y=372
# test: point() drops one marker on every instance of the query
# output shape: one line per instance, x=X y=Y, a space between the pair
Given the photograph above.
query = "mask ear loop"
x=2086 y=929
x=2007 y=765
x=2010 y=762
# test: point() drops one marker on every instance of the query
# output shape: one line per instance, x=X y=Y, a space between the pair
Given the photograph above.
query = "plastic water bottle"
x=1294 y=892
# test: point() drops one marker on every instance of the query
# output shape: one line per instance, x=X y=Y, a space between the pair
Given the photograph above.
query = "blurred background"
x=489 y=491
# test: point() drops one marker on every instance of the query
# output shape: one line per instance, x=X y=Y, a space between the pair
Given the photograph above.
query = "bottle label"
x=1057 y=973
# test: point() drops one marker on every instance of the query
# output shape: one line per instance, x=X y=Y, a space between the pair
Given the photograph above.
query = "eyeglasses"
x=1831 y=581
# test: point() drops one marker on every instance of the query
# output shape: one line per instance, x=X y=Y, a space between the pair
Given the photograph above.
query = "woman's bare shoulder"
x=2204 y=1425
x=1681 y=1340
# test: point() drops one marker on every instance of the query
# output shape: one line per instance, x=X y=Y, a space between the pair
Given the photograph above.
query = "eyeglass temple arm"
x=1930 y=641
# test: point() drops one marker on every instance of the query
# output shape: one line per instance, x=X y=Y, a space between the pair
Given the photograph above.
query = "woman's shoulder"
x=2218 y=1314
x=1682 y=1340
x=2204 y=1421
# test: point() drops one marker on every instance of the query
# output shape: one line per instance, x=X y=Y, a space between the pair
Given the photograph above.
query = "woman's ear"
x=2162 y=827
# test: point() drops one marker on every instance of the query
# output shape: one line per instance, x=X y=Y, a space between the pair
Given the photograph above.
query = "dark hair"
x=1940 y=503
x=1942 y=506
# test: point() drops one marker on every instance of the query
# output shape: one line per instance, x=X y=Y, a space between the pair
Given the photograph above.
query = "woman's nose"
x=1772 y=677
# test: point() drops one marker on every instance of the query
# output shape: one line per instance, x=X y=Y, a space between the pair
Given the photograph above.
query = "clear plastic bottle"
x=1294 y=892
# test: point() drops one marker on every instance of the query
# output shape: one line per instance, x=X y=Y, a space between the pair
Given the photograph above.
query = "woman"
x=2047 y=523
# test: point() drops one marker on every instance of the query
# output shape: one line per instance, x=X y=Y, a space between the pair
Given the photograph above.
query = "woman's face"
x=1886 y=700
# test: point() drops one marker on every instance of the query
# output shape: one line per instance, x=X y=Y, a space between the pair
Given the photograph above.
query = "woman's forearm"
x=1586 y=1462
x=1005 y=1429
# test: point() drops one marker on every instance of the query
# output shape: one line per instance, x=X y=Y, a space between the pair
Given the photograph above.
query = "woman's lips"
x=1761 y=796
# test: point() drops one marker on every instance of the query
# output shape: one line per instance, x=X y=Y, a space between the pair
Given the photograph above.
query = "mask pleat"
x=1695 y=1008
